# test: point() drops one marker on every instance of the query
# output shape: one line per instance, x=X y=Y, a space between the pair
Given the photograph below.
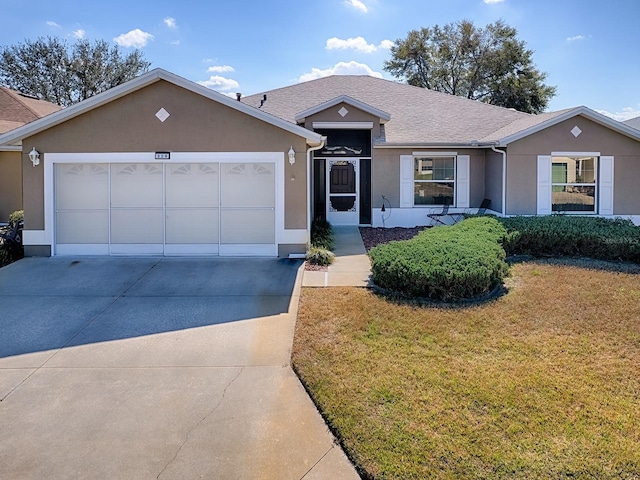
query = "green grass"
x=540 y=383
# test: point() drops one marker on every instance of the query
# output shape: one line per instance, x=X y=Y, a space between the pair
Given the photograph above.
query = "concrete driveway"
x=136 y=368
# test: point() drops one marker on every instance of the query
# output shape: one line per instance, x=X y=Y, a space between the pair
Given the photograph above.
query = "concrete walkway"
x=351 y=267
x=156 y=368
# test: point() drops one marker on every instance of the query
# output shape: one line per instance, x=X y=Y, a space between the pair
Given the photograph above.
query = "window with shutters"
x=574 y=184
x=434 y=180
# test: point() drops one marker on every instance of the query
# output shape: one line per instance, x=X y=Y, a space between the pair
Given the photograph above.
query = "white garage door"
x=165 y=208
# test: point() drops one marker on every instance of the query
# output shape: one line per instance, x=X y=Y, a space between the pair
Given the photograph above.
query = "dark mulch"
x=375 y=236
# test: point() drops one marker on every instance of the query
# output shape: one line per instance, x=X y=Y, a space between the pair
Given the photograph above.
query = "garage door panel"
x=192 y=226
x=166 y=208
x=83 y=227
x=82 y=186
x=247 y=226
x=248 y=185
x=192 y=185
x=137 y=226
x=136 y=185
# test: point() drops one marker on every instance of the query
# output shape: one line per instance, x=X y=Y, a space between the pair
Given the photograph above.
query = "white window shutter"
x=544 y=185
x=406 y=181
x=462 y=181
x=605 y=186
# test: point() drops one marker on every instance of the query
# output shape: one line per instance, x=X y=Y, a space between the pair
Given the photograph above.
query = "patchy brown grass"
x=540 y=383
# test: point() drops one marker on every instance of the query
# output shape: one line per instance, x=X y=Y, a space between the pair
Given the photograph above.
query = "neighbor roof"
x=633 y=122
x=138 y=83
x=17 y=109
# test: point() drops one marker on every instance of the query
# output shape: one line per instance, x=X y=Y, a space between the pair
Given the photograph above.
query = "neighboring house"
x=16 y=110
x=161 y=165
x=633 y=122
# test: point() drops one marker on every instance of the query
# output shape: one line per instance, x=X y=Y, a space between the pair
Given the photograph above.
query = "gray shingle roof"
x=418 y=115
x=633 y=122
x=523 y=124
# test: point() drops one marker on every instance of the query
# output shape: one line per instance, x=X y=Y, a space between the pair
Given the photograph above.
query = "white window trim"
x=604 y=184
x=46 y=236
x=461 y=179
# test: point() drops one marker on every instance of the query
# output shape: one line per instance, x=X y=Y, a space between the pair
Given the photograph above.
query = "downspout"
x=309 y=170
x=504 y=179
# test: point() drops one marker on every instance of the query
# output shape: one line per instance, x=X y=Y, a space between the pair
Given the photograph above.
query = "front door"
x=342 y=192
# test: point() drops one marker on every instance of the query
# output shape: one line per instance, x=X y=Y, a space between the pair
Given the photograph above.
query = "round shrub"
x=453 y=263
x=320 y=256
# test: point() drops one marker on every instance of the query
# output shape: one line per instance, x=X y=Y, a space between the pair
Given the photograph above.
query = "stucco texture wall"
x=386 y=174
x=195 y=124
x=523 y=154
x=10 y=183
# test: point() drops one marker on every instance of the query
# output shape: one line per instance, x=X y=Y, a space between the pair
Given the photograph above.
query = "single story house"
x=16 y=109
x=161 y=165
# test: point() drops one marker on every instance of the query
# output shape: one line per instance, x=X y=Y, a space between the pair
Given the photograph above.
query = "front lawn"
x=543 y=382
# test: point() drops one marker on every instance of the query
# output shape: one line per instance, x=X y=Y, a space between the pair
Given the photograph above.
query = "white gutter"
x=309 y=171
x=504 y=178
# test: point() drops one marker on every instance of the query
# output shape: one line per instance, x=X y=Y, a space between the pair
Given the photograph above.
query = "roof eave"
x=382 y=115
x=469 y=144
x=583 y=111
x=138 y=83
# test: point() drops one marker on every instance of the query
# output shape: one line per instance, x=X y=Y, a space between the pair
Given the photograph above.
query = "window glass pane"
x=569 y=176
x=573 y=199
x=423 y=169
x=433 y=193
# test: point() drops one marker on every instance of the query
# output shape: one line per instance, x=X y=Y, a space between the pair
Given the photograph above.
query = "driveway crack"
x=186 y=437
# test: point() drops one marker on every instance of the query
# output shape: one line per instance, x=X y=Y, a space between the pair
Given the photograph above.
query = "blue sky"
x=589 y=48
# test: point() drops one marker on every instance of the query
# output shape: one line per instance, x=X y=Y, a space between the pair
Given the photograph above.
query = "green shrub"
x=320 y=256
x=565 y=235
x=322 y=234
x=453 y=263
x=17 y=216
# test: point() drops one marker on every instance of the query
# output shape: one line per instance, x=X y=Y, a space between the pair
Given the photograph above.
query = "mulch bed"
x=375 y=236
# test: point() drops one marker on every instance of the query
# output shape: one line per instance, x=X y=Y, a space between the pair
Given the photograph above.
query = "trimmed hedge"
x=566 y=235
x=453 y=263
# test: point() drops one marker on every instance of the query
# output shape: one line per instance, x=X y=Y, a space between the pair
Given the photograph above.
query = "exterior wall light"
x=34 y=156
x=292 y=156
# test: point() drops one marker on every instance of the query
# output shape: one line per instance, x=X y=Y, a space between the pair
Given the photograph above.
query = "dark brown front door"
x=342 y=206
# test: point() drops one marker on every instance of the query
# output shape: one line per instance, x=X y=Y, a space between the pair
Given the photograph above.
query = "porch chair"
x=439 y=216
x=486 y=203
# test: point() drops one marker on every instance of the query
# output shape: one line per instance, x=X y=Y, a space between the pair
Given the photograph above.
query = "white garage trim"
x=47 y=236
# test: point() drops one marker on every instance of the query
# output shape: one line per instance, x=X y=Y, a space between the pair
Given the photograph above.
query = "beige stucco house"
x=164 y=166
x=16 y=109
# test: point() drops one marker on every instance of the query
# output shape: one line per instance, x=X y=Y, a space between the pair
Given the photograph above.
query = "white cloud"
x=625 y=114
x=175 y=42
x=51 y=23
x=135 y=38
x=493 y=2
x=357 y=4
x=358 y=44
x=576 y=38
x=217 y=82
x=80 y=33
x=207 y=60
x=221 y=69
x=342 y=68
x=170 y=22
